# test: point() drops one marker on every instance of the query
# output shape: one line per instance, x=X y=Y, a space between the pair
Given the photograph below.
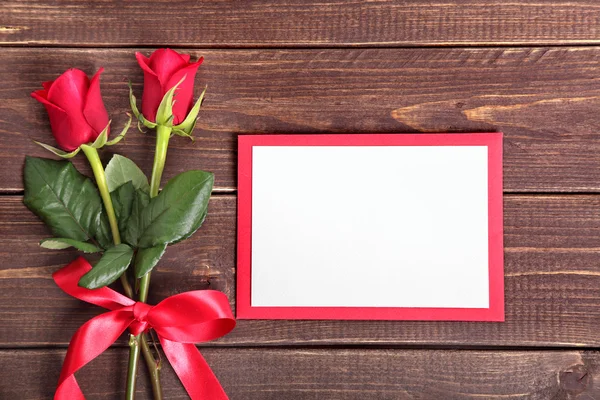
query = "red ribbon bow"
x=179 y=322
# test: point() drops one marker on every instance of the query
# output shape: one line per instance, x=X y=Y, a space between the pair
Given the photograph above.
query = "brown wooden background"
x=529 y=68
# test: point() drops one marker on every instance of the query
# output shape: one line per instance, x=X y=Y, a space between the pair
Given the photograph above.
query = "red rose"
x=163 y=70
x=74 y=104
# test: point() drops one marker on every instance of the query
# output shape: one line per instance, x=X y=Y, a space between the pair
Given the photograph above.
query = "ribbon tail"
x=90 y=340
x=67 y=279
x=69 y=389
x=193 y=371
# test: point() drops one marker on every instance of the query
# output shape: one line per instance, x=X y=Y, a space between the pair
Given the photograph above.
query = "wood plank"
x=299 y=23
x=340 y=374
x=551 y=267
x=544 y=99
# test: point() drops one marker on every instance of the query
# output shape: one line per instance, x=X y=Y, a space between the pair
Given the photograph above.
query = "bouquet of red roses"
x=128 y=220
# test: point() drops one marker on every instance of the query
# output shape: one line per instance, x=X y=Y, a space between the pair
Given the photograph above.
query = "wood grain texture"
x=545 y=100
x=348 y=67
x=551 y=267
x=289 y=374
x=298 y=23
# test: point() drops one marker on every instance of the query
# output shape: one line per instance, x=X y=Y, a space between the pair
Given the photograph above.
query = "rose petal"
x=67 y=136
x=184 y=96
x=68 y=90
x=59 y=122
x=151 y=97
x=47 y=85
x=164 y=63
x=144 y=62
x=94 y=110
x=153 y=93
x=41 y=96
x=62 y=127
x=68 y=93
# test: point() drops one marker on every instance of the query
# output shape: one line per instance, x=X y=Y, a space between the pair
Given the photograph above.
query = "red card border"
x=495 y=312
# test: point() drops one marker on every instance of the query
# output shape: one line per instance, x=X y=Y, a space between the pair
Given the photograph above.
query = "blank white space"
x=370 y=226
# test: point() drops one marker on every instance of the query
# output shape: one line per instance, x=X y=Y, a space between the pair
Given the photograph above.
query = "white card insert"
x=370 y=226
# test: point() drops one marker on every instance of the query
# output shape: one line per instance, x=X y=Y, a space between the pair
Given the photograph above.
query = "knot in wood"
x=575 y=379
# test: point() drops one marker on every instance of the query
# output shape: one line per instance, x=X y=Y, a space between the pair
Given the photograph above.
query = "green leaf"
x=59 y=152
x=133 y=229
x=121 y=170
x=122 y=199
x=113 y=263
x=164 y=114
x=67 y=201
x=64 y=243
x=146 y=259
x=102 y=231
x=177 y=211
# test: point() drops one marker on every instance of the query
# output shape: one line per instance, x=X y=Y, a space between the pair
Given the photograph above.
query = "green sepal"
x=102 y=138
x=121 y=135
x=136 y=111
x=133 y=101
x=59 y=152
x=164 y=114
x=188 y=125
x=65 y=243
x=146 y=123
x=112 y=265
x=146 y=259
x=139 y=126
x=179 y=132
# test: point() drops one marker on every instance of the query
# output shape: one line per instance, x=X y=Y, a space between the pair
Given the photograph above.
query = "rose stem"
x=92 y=155
x=134 y=353
x=163 y=133
x=153 y=366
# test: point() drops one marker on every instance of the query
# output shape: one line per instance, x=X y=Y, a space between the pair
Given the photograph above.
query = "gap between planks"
x=336 y=46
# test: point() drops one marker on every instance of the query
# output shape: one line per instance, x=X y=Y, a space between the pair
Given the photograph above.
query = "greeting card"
x=370 y=226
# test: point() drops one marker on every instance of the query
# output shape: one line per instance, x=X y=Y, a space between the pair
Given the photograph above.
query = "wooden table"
x=529 y=68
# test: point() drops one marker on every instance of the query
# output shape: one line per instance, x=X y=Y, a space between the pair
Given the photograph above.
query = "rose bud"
x=75 y=108
x=164 y=70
